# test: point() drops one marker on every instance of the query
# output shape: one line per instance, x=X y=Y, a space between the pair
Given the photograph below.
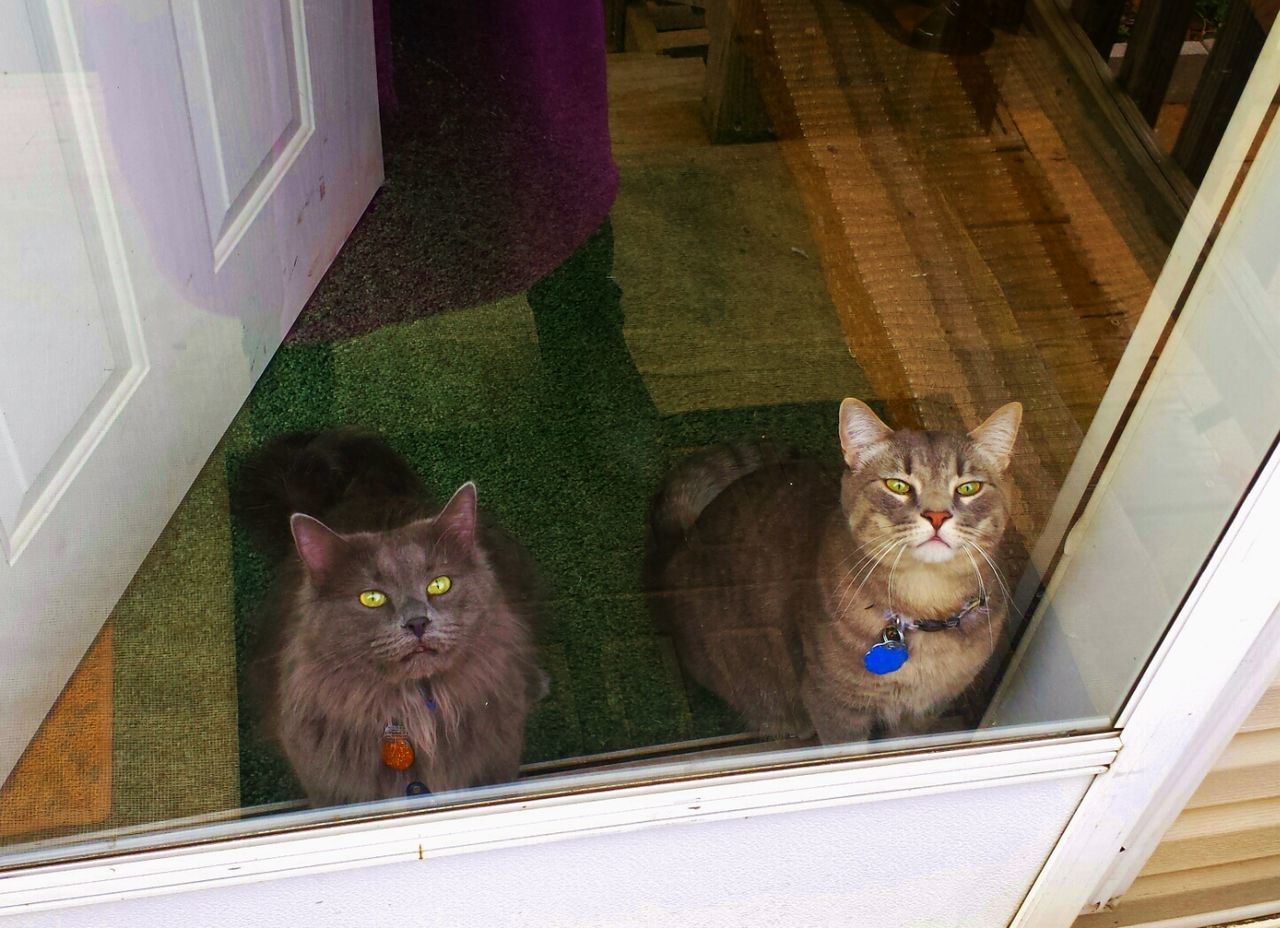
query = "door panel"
x=245 y=142
x=70 y=357
x=177 y=177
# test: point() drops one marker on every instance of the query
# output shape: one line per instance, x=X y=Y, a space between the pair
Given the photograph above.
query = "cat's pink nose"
x=936 y=517
x=417 y=625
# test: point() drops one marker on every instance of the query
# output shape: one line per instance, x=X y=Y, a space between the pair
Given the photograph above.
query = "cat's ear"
x=860 y=431
x=995 y=437
x=318 y=545
x=457 y=520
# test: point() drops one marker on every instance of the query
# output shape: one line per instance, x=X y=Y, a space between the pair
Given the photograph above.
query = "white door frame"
x=1221 y=654
x=1223 y=649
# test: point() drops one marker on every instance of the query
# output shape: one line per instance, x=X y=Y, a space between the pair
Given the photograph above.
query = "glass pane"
x=708 y=385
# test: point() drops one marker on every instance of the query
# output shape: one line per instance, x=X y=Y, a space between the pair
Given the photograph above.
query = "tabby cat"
x=399 y=645
x=794 y=592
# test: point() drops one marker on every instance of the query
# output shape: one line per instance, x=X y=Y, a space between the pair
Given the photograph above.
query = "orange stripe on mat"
x=63 y=779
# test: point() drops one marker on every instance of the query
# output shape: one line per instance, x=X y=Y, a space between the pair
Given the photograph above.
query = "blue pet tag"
x=888 y=655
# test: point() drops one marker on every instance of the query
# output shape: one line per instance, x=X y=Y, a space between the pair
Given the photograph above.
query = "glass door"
x=802 y=397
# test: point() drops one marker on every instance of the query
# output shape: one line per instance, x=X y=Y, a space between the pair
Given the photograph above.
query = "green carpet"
x=726 y=303
x=698 y=316
x=535 y=398
x=174 y=714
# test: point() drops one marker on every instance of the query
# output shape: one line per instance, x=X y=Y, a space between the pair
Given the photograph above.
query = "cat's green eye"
x=901 y=487
x=969 y=488
x=439 y=586
x=373 y=598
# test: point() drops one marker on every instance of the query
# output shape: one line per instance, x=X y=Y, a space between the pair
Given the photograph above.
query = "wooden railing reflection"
x=1153 y=48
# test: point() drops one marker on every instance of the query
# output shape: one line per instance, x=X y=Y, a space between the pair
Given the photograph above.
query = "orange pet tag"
x=397 y=751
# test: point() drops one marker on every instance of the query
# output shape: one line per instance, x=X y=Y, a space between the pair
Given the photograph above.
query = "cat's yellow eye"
x=901 y=487
x=969 y=488
x=439 y=586
x=373 y=598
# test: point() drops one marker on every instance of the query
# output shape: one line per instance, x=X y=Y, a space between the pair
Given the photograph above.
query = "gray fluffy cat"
x=776 y=577
x=389 y=611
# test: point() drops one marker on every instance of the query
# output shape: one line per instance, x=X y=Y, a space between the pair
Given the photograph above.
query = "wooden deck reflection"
x=980 y=233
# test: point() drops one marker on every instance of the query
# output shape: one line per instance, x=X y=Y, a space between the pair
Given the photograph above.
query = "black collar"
x=906 y=623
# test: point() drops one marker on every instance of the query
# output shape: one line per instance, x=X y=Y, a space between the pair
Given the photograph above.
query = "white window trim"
x=435 y=833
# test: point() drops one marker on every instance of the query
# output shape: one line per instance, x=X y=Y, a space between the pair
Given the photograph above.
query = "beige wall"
x=1223 y=851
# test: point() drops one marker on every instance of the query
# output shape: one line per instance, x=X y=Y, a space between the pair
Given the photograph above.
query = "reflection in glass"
x=708 y=402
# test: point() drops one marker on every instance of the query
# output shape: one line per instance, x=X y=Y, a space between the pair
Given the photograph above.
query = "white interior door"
x=175 y=177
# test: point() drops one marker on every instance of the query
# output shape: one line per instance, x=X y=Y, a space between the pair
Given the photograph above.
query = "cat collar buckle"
x=888 y=654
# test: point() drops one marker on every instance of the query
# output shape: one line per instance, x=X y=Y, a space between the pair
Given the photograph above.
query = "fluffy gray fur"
x=335 y=671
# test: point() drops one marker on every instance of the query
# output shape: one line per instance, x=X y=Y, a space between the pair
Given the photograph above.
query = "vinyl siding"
x=1223 y=851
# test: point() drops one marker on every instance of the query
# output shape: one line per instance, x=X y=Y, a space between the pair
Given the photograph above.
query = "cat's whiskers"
x=999 y=577
x=856 y=569
x=982 y=590
x=340 y=657
x=871 y=570
x=849 y=594
x=852 y=573
x=892 y=606
x=982 y=586
x=891 y=530
x=875 y=560
x=863 y=546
